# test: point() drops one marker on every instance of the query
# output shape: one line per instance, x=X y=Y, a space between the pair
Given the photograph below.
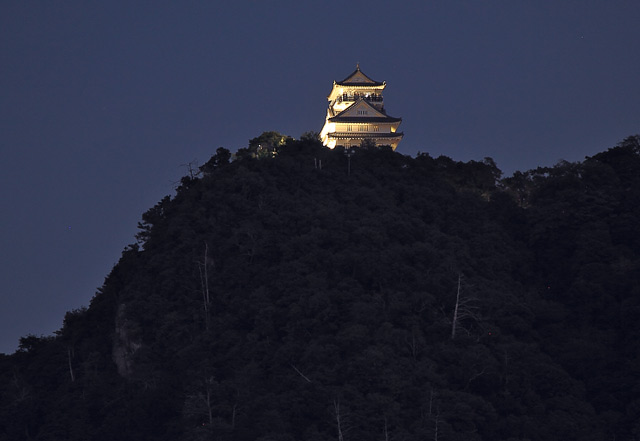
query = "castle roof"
x=354 y=114
x=358 y=78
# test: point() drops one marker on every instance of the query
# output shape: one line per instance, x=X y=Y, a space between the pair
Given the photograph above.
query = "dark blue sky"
x=101 y=104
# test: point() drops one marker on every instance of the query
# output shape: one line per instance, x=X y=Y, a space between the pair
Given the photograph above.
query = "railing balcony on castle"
x=371 y=98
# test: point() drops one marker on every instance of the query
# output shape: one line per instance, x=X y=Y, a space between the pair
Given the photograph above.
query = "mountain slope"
x=413 y=298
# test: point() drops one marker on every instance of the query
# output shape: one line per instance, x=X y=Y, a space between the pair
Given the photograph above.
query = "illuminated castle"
x=356 y=114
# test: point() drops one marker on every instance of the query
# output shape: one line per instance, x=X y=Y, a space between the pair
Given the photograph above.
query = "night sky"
x=103 y=103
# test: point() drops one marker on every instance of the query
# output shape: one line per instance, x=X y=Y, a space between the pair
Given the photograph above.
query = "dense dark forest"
x=297 y=293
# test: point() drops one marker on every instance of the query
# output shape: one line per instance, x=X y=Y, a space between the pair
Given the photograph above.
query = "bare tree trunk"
x=474 y=376
x=436 y=424
x=336 y=410
x=431 y=395
x=69 y=353
x=413 y=346
x=506 y=371
x=209 y=410
x=22 y=391
x=204 y=282
x=386 y=431
x=301 y=374
x=455 y=311
x=465 y=309
x=233 y=416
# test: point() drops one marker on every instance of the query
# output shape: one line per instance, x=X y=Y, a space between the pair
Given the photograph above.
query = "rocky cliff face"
x=125 y=343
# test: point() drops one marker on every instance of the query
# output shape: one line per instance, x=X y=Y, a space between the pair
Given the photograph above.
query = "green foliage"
x=264 y=146
x=220 y=159
x=268 y=298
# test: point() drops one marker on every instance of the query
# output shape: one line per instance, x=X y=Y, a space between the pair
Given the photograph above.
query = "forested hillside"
x=290 y=295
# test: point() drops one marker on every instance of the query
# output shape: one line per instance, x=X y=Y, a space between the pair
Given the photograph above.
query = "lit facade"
x=356 y=113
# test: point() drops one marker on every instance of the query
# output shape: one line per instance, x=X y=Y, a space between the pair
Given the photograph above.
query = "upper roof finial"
x=358 y=65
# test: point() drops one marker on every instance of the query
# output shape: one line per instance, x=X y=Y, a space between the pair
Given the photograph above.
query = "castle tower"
x=356 y=113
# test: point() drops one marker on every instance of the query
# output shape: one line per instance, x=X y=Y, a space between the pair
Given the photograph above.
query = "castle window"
x=349 y=128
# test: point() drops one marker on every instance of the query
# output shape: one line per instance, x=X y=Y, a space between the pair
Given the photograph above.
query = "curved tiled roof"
x=344 y=118
x=365 y=83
